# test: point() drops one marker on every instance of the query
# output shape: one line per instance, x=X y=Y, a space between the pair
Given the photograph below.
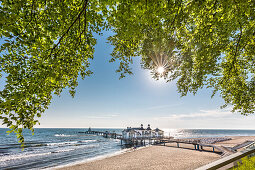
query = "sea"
x=58 y=147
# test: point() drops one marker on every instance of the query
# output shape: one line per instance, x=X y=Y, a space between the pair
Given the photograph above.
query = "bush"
x=246 y=164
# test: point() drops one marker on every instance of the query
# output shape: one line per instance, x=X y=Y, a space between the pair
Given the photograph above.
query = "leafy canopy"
x=48 y=44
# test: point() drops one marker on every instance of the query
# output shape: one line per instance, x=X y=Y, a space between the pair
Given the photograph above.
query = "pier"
x=105 y=134
x=131 y=141
x=141 y=137
x=134 y=136
x=111 y=135
x=196 y=143
x=201 y=143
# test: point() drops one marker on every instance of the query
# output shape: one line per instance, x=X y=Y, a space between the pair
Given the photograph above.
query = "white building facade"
x=141 y=132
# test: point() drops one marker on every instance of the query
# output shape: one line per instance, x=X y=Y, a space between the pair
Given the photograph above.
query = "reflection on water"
x=196 y=133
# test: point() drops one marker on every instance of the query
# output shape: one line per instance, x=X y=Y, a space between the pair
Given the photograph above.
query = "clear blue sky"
x=103 y=100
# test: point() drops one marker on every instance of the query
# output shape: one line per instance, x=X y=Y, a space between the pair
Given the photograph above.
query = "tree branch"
x=66 y=32
x=239 y=39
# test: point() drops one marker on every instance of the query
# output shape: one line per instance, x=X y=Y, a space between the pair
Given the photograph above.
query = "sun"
x=160 y=70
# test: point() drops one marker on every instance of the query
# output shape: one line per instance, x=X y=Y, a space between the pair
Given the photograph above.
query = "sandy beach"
x=153 y=157
x=159 y=157
x=235 y=141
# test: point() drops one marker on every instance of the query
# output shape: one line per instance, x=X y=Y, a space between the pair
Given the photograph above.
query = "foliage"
x=213 y=44
x=247 y=163
x=48 y=44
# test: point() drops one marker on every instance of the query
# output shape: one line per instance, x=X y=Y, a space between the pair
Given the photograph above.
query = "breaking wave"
x=62 y=143
x=63 y=135
x=22 y=156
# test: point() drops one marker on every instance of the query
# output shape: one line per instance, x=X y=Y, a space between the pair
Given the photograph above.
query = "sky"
x=102 y=100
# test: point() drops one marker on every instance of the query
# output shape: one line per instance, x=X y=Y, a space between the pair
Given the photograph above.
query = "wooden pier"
x=105 y=134
x=196 y=143
x=111 y=135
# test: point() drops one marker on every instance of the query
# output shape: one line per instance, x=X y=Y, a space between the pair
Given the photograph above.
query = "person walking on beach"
x=134 y=148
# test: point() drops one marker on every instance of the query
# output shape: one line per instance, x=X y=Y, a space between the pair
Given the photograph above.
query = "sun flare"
x=160 y=70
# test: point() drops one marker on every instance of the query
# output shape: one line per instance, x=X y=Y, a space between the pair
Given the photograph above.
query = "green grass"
x=247 y=164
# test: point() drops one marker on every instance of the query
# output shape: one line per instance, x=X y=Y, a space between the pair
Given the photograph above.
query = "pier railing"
x=231 y=160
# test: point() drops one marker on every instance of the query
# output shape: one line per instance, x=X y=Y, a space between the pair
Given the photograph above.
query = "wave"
x=64 y=150
x=86 y=141
x=22 y=156
x=27 y=145
x=8 y=157
x=89 y=146
x=63 y=135
x=62 y=143
x=4 y=158
x=73 y=143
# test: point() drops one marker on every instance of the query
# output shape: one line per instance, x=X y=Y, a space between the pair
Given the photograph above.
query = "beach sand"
x=153 y=157
x=158 y=157
x=236 y=140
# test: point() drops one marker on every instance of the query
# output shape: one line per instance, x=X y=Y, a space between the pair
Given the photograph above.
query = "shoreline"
x=155 y=157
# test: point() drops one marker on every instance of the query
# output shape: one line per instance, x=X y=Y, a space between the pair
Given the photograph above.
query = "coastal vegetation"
x=47 y=45
x=247 y=163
